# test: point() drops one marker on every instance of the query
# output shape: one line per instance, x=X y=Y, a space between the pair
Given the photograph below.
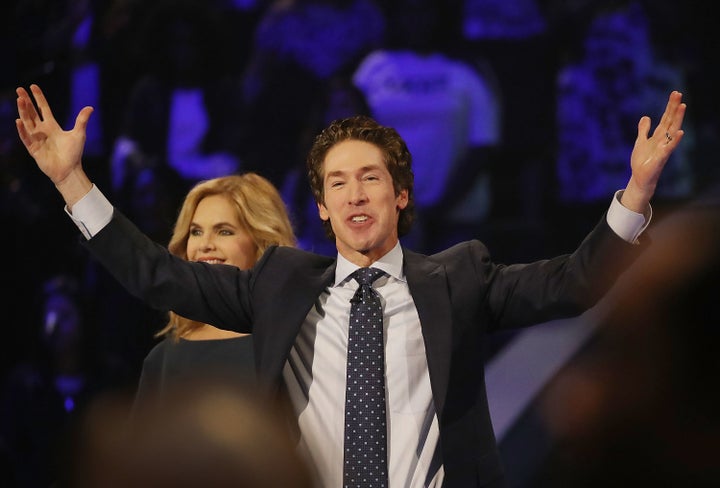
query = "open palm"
x=57 y=152
x=651 y=153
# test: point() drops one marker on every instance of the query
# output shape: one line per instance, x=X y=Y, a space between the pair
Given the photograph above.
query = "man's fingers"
x=643 y=129
x=674 y=113
x=676 y=138
x=677 y=120
x=670 y=129
x=22 y=107
x=26 y=110
x=41 y=101
x=671 y=119
x=82 y=118
x=24 y=136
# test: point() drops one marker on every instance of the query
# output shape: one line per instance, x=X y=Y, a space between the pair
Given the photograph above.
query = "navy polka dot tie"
x=365 y=422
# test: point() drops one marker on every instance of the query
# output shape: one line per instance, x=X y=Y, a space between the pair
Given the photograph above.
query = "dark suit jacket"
x=460 y=295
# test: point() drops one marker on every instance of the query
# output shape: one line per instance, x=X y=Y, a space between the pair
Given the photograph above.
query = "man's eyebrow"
x=363 y=169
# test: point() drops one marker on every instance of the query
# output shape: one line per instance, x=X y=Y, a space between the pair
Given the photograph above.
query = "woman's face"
x=217 y=236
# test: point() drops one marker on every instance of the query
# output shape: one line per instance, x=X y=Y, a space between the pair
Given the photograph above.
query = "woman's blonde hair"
x=260 y=210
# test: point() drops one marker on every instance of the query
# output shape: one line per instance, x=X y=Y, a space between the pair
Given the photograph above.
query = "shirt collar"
x=391 y=263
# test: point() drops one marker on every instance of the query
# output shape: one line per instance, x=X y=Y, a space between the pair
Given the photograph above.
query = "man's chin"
x=363 y=248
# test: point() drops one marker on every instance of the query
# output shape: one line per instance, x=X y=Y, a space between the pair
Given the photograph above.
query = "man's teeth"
x=213 y=261
x=360 y=218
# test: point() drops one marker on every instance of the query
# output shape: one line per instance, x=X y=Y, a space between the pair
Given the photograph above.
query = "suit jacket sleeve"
x=214 y=294
x=505 y=296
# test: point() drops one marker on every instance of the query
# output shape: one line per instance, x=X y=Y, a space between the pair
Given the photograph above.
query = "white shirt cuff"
x=626 y=223
x=91 y=213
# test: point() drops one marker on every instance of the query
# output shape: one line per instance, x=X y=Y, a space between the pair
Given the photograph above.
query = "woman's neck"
x=208 y=332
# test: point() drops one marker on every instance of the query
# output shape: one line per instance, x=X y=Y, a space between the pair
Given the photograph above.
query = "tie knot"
x=367 y=276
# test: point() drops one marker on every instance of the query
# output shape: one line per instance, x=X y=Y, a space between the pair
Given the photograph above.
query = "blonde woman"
x=229 y=220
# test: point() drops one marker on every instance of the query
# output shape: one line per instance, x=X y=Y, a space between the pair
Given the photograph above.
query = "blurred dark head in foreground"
x=639 y=406
x=209 y=435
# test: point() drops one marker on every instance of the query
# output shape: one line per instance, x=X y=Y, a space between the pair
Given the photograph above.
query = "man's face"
x=360 y=201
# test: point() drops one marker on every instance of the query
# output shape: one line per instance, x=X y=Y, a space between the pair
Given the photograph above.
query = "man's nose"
x=357 y=193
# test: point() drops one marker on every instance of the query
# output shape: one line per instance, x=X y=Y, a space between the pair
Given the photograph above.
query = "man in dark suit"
x=437 y=309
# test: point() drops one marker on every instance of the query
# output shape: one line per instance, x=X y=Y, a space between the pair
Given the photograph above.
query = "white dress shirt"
x=315 y=376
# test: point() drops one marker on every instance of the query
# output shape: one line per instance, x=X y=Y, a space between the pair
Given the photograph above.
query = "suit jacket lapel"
x=427 y=283
x=291 y=311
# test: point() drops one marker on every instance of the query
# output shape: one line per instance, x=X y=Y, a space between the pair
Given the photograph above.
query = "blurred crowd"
x=520 y=115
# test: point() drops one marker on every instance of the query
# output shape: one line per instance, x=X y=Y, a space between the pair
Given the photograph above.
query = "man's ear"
x=322 y=211
x=402 y=199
